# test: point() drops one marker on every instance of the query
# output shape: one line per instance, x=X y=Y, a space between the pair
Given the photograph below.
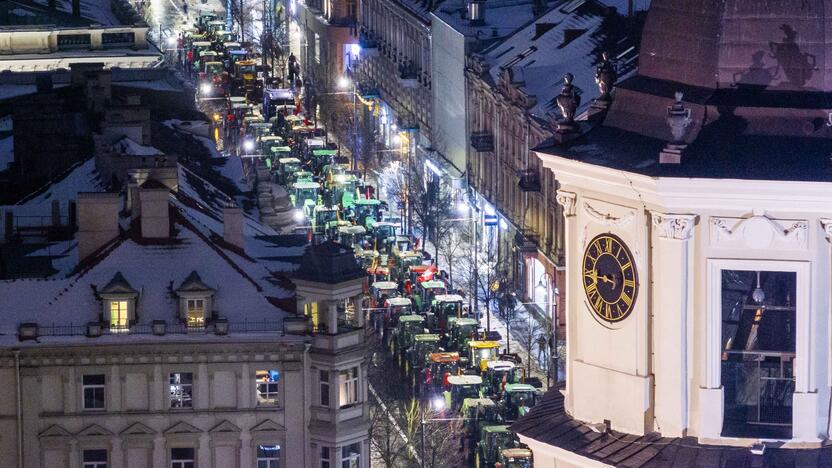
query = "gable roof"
x=193 y=283
x=118 y=285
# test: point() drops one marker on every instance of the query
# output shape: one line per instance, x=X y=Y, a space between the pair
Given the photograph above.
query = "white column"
x=115 y=389
x=246 y=382
x=74 y=454
x=568 y=200
x=116 y=452
x=204 y=452
x=158 y=401
x=203 y=387
x=672 y=286
x=331 y=317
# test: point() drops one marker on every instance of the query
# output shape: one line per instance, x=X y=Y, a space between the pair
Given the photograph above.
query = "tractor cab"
x=383 y=290
x=367 y=211
x=319 y=156
x=403 y=260
x=324 y=218
x=482 y=352
x=441 y=366
x=227 y=46
x=204 y=18
x=211 y=27
x=286 y=167
x=367 y=258
x=517 y=401
x=478 y=412
x=462 y=387
x=493 y=439
x=404 y=334
x=343 y=189
x=304 y=196
x=245 y=77
x=274 y=99
x=445 y=306
x=498 y=375
x=304 y=176
x=397 y=307
x=384 y=233
x=352 y=235
x=517 y=457
x=222 y=36
x=267 y=142
x=257 y=129
x=234 y=56
x=213 y=79
x=426 y=292
x=460 y=332
x=423 y=345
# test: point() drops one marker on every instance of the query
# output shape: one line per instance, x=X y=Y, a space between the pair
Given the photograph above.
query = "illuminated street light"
x=397 y=140
x=248 y=145
x=462 y=207
x=343 y=82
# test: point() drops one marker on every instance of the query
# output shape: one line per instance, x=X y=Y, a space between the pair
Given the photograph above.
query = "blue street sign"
x=490 y=219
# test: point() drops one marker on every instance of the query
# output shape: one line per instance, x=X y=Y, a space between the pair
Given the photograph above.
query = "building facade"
x=697 y=251
x=165 y=344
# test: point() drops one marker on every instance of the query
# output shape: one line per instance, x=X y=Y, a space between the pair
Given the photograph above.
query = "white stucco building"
x=697 y=233
x=167 y=339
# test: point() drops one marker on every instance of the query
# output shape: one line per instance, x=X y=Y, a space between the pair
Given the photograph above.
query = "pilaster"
x=568 y=201
x=671 y=315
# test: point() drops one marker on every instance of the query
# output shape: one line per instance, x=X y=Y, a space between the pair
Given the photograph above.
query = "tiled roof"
x=549 y=424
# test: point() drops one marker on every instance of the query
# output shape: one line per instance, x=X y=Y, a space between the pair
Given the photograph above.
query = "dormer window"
x=119 y=304
x=195 y=301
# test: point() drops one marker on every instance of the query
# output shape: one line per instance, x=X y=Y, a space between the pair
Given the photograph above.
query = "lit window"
x=324 y=457
x=324 y=388
x=196 y=312
x=93 y=392
x=181 y=390
x=267 y=386
x=94 y=458
x=118 y=316
x=182 y=458
x=348 y=387
x=268 y=456
x=351 y=456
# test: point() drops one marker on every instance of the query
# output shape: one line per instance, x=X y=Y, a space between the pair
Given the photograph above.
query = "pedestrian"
x=541 y=346
x=190 y=59
x=180 y=45
x=185 y=8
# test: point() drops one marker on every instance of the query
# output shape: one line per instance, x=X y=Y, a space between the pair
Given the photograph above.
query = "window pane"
x=95 y=379
x=95 y=455
x=182 y=453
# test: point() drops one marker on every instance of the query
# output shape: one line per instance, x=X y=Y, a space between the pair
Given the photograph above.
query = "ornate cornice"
x=608 y=219
x=673 y=226
x=568 y=200
x=826 y=224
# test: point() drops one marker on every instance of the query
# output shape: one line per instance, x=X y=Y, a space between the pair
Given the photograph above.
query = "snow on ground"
x=6 y=152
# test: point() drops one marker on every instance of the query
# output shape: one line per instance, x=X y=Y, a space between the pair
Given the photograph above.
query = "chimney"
x=476 y=12
x=97 y=221
x=155 y=217
x=232 y=226
x=76 y=8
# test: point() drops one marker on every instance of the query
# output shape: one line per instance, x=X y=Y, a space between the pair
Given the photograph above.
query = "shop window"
x=94 y=458
x=267 y=386
x=182 y=457
x=93 y=390
x=348 y=387
x=268 y=456
x=181 y=390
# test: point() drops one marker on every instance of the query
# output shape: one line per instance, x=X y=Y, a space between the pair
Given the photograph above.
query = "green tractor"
x=478 y=413
x=445 y=306
x=286 y=169
x=426 y=292
x=516 y=457
x=304 y=196
x=462 y=387
x=460 y=332
x=517 y=400
x=493 y=439
x=352 y=236
x=384 y=233
x=320 y=157
x=498 y=376
x=404 y=335
x=204 y=18
x=343 y=190
x=441 y=366
x=367 y=211
x=324 y=219
x=417 y=356
x=402 y=261
x=397 y=307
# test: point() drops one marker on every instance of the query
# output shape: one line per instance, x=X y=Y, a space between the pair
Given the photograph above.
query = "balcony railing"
x=158 y=327
x=529 y=180
x=482 y=141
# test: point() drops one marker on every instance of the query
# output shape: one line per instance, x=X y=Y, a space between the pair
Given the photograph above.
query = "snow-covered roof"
x=502 y=17
x=567 y=39
x=127 y=146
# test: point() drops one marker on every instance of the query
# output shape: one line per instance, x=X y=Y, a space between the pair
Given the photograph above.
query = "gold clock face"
x=609 y=277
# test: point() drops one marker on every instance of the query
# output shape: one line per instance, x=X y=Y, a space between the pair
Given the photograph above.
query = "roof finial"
x=605 y=76
x=568 y=101
x=678 y=119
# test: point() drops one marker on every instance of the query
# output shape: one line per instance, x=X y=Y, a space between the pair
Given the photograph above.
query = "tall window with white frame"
x=325 y=457
x=119 y=321
x=181 y=390
x=93 y=392
x=351 y=456
x=324 y=378
x=758 y=352
x=196 y=313
x=267 y=382
x=268 y=456
x=348 y=387
x=182 y=457
x=96 y=458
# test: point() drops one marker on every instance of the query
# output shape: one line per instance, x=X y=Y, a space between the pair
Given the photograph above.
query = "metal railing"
x=253 y=326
